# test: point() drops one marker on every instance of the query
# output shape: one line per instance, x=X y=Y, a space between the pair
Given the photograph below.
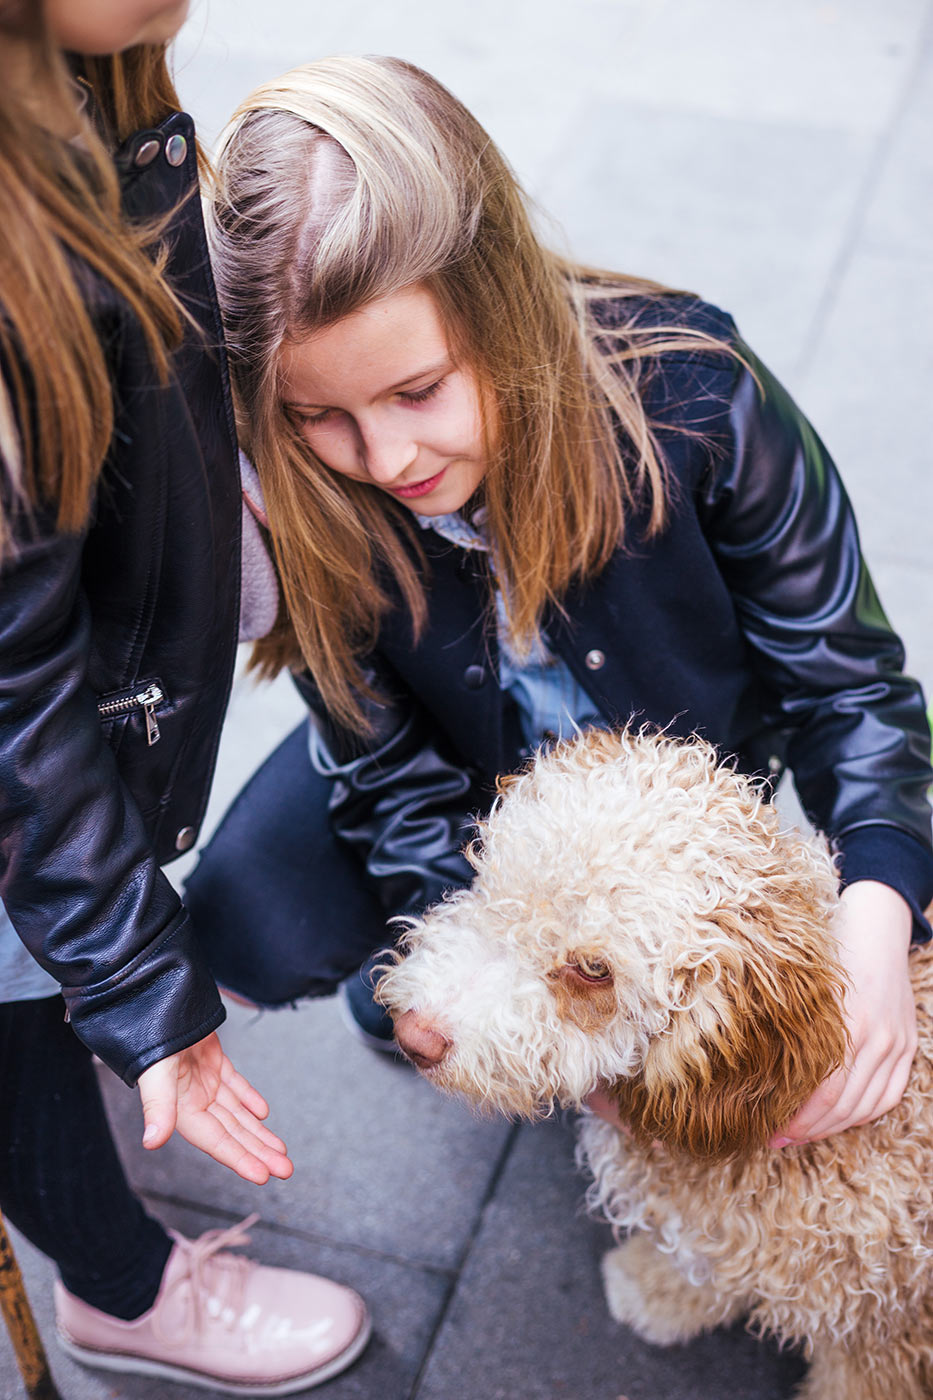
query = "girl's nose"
x=386 y=458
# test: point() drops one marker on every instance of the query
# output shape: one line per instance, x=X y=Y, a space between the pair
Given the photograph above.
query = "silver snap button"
x=176 y=148
x=185 y=838
x=595 y=660
x=774 y=764
x=146 y=153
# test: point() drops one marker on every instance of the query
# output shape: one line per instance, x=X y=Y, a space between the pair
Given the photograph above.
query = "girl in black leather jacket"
x=120 y=506
x=508 y=493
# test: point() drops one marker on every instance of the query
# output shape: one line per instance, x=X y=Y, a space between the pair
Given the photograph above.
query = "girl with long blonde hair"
x=509 y=495
x=120 y=521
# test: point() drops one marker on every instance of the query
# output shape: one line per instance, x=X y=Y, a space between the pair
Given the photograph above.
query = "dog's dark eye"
x=592 y=969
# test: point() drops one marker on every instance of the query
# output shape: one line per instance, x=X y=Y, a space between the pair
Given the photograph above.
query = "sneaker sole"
x=143 y=1366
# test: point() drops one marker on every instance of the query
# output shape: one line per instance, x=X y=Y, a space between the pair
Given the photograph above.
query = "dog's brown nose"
x=419 y=1040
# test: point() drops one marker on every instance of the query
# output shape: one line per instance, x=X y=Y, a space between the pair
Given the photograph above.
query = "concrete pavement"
x=777 y=158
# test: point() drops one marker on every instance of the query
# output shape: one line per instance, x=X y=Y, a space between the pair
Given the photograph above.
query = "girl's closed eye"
x=301 y=419
x=422 y=395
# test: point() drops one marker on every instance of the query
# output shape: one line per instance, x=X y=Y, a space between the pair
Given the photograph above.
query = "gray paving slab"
x=522 y=65
x=899 y=217
x=528 y=1318
x=868 y=391
x=381 y=1161
x=801 y=62
x=665 y=194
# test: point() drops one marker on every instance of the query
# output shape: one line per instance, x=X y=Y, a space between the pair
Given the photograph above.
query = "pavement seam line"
x=855 y=223
x=488 y=1196
x=447 y=1271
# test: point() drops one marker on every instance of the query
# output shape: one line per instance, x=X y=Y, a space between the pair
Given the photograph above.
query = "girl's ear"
x=759 y=1027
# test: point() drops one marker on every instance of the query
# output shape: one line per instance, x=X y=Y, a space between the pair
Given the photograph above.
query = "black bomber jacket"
x=750 y=620
x=117 y=648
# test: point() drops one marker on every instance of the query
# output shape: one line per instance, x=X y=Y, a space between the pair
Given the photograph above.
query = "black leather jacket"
x=751 y=620
x=116 y=656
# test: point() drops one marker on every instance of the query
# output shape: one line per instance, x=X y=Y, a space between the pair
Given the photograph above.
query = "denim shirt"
x=551 y=703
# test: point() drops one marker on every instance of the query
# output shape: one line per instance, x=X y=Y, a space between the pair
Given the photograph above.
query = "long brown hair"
x=352 y=178
x=61 y=217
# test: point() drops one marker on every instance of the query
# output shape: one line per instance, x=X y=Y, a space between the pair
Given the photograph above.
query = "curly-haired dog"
x=639 y=919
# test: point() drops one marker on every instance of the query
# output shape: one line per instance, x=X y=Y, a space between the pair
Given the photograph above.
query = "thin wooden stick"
x=21 y=1325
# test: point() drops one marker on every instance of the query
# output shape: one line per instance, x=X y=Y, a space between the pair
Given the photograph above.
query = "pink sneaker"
x=225 y=1322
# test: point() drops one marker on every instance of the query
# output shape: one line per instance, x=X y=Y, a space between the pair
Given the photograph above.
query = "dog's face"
x=637 y=918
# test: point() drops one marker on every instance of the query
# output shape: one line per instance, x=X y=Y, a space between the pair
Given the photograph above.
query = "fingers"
x=256 y=1141
x=872 y=1089
x=817 y=1109
x=224 y=1121
x=234 y=1144
x=227 y=1130
x=247 y=1120
x=158 y=1090
x=206 y=1131
x=239 y=1108
x=871 y=1086
x=241 y=1088
x=198 y=1092
x=873 y=929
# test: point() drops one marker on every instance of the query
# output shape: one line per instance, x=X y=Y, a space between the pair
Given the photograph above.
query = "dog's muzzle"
x=419 y=1041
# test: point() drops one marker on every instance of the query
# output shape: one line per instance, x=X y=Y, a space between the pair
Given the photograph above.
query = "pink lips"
x=418 y=488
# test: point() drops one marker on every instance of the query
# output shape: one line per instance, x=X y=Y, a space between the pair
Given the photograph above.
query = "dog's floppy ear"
x=758 y=1026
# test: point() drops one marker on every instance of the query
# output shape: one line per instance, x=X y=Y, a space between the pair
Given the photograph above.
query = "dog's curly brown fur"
x=640 y=919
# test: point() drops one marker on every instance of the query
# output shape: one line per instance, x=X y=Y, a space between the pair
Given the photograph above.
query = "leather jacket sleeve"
x=77 y=873
x=857 y=738
x=86 y=807
x=400 y=801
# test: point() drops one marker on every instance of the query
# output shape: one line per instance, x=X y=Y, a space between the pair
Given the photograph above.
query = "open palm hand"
x=198 y=1092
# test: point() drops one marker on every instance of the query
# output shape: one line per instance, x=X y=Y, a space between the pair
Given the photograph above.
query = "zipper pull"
x=148 y=699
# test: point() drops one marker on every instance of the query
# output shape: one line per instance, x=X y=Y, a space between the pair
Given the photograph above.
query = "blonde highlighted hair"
x=353 y=178
x=61 y=217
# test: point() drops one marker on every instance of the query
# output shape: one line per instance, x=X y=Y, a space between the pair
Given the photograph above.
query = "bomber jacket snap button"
x=185 y=838
x=176 y=148
x=146 y=152
x=595 y=660
x=474 y=677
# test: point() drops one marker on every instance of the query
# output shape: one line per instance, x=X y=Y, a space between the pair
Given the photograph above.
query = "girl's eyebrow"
x=442 y=367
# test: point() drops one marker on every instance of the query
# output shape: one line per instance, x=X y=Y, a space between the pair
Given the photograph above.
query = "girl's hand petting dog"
x=873 y=926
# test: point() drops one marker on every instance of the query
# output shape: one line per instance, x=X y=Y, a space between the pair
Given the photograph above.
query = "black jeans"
x=61 y=1181
x=280 y=907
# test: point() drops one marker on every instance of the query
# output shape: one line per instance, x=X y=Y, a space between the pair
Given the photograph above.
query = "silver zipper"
x=145 y=700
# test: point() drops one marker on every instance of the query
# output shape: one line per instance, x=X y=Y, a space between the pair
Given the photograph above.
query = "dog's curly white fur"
x=639 y=920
